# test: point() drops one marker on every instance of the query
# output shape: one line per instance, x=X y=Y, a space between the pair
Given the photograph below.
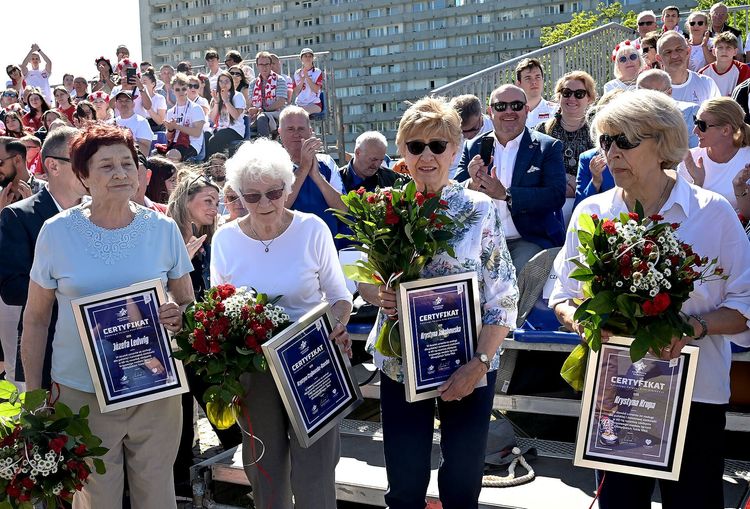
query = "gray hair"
x=293 y=110
x=654 y=76
x=261 y=160
x=643 y=14
x=718 y=5
x=670 y=34
x=370 y=137
x=659 y=118
x=57 y=141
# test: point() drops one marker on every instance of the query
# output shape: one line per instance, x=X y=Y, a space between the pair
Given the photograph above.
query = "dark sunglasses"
x=632 y=56
x=271 y=195
x=417 y=147
x=10 y=94
x=179 y=89
x=622 y=142
x=236 y=73
x=645 y=23
x=194 y=86
x=579 y=94
x=501 y=106
x=702 y=125
x=58 y=158
x=699 y=23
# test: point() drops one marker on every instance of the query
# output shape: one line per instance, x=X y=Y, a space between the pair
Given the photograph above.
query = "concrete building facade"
x=384 y=52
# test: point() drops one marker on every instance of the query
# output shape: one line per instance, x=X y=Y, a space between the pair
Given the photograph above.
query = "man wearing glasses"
x=646 y=23
x=235 y=58
x=523 y=172
x=269 y=96
x=20 y=224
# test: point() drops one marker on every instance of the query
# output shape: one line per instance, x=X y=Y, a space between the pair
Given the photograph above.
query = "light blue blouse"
x=76 y=258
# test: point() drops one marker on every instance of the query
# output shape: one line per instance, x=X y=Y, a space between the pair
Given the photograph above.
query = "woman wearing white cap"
x=308 y=83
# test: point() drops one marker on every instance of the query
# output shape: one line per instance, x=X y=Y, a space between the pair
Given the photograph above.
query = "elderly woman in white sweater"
x=283 y=252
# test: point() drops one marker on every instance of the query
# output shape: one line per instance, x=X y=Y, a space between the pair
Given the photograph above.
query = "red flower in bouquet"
x=399 y=229
x=222 y=339
x=635 y=274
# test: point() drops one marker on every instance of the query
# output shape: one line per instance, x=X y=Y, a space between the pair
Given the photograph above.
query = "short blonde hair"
x=727 y=111
x=658 y=118
x=430 y=116
x=256 y=161
x=694 y=15
x=631 y=47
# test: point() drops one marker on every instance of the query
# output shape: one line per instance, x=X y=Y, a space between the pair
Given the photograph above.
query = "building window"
x=243 y=14
x=353 y=16
x=438 y=44
x=374 y=13
x=575 y=7
x=507 y=36
x=527 y=13
x=506 y=16
x=355 y=53
x=527 y=33
x=243 y=31
x=277 y=8
x=308 y=22
x=551 y=9
x=378 y=51
x=227 y=34
x=335 y=18
x=418 y=7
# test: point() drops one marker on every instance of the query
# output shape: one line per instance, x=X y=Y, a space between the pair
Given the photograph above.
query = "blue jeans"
x=407 y=442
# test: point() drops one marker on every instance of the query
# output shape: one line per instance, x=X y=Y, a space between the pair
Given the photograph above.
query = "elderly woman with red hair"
x=106 y=244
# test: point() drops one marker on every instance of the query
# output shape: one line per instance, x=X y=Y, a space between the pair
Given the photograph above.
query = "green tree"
x=582 y=22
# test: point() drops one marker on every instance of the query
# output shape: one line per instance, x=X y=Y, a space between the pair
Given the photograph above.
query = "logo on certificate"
x=122 y=315
x=639 y=368
x=303 y=346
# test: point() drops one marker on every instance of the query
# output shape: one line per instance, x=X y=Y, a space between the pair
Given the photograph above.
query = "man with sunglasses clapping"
x=523 y=171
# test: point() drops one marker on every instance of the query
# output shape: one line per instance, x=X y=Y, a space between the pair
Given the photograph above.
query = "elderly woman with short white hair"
x=641 y=156
x=629 y=63
x=278 y=251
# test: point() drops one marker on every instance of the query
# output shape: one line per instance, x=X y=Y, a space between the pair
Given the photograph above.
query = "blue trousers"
x=407 y=442
x=700 y=484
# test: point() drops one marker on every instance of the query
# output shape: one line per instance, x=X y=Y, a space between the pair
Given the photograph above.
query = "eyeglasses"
x=632 y=56
x=236 y=73
x=263 y=65
x=645 y=23
x=179 y=89
x=501 y=106
x=194 y=86
x=230 y=198
x=702 y=125
x=578 y=94
x=699 y=23
x=271 y=195
x=646 y=49
x=10 y=94
x=417 y=147
x=622 y=142
x=3 y=159
x=58 y=158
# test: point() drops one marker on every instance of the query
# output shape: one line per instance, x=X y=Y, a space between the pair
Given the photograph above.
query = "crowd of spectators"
x=532 y=159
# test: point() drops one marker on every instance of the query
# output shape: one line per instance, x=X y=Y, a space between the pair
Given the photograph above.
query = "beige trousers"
x=142 y=441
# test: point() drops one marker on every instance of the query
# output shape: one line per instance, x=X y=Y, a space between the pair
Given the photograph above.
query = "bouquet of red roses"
x=46 y=452
x=222 y=339
x=399 y=229
x=635 y=275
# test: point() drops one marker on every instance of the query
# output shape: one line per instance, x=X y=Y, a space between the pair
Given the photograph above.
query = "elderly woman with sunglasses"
x=575 y=92
x=641 y=156
x=279 y=251
x=723 y=147
x=428 y=138
x=699 y=40
x=629 y=62
x=106 y=244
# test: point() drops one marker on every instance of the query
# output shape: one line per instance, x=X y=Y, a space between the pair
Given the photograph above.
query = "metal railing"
x=590 y=51
x=329 y=126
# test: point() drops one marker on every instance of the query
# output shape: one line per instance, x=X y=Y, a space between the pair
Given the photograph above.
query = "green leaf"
x=99 y=466
x=7 y=389
x=260 y=364
x=34 y=399
x=580 y=274
x=602 y=303
x=574 y=368
x=586 y=224
x=640 y=346
x=359 y=274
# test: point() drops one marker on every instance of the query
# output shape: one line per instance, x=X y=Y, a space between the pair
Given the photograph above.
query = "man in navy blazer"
x=526 y=176
x=21 y=222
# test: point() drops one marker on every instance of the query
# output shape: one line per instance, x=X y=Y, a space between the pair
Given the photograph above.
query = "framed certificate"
x=312 y=375
x=440 y=321
x=634 y=415
x=127 y=350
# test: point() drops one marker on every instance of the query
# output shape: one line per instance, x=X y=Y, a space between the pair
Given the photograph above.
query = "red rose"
x=633 y=216
x=649 y=309
x=57 y=444
x=27 y=483
x=443 y=203
x=251 y=342
x=214 y=347
x=72 y=465
x=13 y=491
x=80 y=449
x=66 y=495
x=199 y=316
x=662 y=302
x=391 y=217
x=216 y=329
x=219 y=307
x=609 y=227
x=259 y=308
x=83 y=473
x=210 y=314
x=594 y=217
x=626 y=260
x=200 y=345
x=656 y=217
x=626 y=272
x=361 y=191
x=675 y=225
x=419 y=198
x=371 y=198
x=225 y=291
x=429 y=196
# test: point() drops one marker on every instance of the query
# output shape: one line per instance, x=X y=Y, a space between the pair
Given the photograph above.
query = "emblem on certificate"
x=312 y=375
x=127 y=350
x=440 y=321
x=634 y=415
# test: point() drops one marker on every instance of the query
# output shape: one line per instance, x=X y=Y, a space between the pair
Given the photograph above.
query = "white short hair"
x=643 y=14
x=261 y=160
x=370 y=137
x=293 y=110
x=654 y=75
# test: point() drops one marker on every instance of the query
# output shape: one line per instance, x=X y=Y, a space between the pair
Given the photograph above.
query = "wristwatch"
x=483 y=359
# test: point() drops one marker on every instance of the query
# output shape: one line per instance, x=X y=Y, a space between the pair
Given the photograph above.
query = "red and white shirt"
x=729 y=79
x=306 y=95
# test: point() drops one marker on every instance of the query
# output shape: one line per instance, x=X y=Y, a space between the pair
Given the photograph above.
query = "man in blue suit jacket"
x=21 y=222
x=526 y=177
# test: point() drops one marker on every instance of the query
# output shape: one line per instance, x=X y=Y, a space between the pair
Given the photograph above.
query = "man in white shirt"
x=530 y=77
x=670 y=17
x=136 y=123
x=673 y=54
x=36 y=77
x=212 y=65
